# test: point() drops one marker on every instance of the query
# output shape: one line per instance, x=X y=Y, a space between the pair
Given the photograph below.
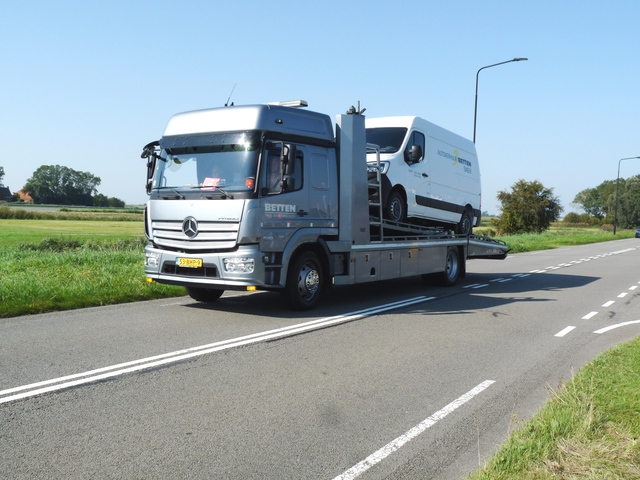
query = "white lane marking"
x=396 y=444
x=481 y=286
x=617 y=325
x=506 y=280
x=589 y=315
x=623 y=294
x=609 y=303
x=633 y=288
x=167 y=358
x=564 y=331
x=623 y=251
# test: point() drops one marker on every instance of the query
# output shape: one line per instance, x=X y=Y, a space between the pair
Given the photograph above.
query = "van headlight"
x=239 y=265
x=372 y=167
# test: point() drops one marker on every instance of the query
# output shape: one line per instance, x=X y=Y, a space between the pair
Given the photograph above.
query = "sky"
x=87 y=84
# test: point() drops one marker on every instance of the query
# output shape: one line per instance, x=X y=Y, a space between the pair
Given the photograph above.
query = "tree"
x=59 y=185
x=530 y=207
x=101 y=200
x=1 y=176
x=599 y=201
x=629 y=202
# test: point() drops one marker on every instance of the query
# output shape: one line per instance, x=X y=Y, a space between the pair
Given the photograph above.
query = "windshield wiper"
x=177 y=196
x=223 y=193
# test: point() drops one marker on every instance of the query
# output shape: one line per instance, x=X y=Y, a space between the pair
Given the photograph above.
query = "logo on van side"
x=456 y=159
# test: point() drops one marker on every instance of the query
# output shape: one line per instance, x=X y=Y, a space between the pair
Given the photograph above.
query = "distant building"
x=6 y=195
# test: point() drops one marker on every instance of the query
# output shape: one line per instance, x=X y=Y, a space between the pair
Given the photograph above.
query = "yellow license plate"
x=189 y=262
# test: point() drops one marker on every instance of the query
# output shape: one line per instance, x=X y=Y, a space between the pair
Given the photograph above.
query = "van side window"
x=415 y=148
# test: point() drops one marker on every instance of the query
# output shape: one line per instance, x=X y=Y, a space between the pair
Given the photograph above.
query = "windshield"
x=228 y=163
x=388 y=138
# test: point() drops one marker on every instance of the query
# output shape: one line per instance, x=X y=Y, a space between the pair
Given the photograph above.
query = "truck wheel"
x=453 y=267
x=396 y=210
x=465 y=226
x=206 y=295
x=304 y=282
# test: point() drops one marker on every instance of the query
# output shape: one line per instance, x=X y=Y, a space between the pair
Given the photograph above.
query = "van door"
x=418 y=183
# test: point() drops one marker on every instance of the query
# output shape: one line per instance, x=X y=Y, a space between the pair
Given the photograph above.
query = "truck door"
x=295 y=194
x=418 y=183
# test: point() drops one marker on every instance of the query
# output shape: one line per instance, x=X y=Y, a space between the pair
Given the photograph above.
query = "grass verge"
x=589 y=429
x=65 y=273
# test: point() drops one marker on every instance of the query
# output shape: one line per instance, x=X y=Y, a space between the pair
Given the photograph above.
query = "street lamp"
x=615 y=210
x=475 y=111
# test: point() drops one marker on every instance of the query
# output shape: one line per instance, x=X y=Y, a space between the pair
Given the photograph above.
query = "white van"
x=429 y=175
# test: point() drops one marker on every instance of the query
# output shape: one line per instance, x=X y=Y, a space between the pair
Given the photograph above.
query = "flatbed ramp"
x=478 y=246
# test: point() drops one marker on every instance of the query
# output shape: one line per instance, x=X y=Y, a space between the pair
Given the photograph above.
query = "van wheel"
x=206 y=295
x=453 y=267
x=465 y=227
x=396 y=210
x=304 y=282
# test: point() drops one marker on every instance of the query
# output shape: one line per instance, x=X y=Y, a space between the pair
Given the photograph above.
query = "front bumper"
x=239 y=269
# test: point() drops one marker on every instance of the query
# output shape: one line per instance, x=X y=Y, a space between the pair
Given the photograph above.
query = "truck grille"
x=210 y=236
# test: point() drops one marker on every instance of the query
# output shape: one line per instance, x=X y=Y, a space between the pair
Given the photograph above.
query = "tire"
x=396 y=209
x=206 y=295
x=453 y=267
x=465 y=227
x=305 y=282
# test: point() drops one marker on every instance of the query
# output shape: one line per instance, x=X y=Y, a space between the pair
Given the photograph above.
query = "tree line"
x=600 y=202
x=58 y=185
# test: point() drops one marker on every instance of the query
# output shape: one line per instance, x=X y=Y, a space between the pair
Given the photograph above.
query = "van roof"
x=410 y=122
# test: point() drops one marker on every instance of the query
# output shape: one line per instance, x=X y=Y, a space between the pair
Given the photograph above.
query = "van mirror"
x=415 y=155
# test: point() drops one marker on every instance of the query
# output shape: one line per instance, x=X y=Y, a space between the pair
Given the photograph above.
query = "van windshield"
x=388 y=138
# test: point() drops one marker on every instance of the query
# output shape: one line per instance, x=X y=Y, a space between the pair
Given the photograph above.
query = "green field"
x=15 y=232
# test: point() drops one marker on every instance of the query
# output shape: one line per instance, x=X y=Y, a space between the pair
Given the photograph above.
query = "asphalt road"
x=395 y=380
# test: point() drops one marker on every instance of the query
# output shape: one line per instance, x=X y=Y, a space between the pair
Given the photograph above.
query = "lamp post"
x=615 y=210
x=475 y=111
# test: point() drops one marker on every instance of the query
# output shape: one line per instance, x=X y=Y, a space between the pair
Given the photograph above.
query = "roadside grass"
x=62 y=275
x=589 y=428
x=558 y=235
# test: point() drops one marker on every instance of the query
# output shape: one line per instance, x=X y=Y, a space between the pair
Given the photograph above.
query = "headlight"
x=239 y=265
x=151 y=259
x=372 y=167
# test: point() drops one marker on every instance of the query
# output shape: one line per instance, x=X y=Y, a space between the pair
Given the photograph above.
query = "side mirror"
x=151 y=167
x=149 y=152
x=149 y=149
x=288 y=159
x=415 y=154
x=288 y=183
